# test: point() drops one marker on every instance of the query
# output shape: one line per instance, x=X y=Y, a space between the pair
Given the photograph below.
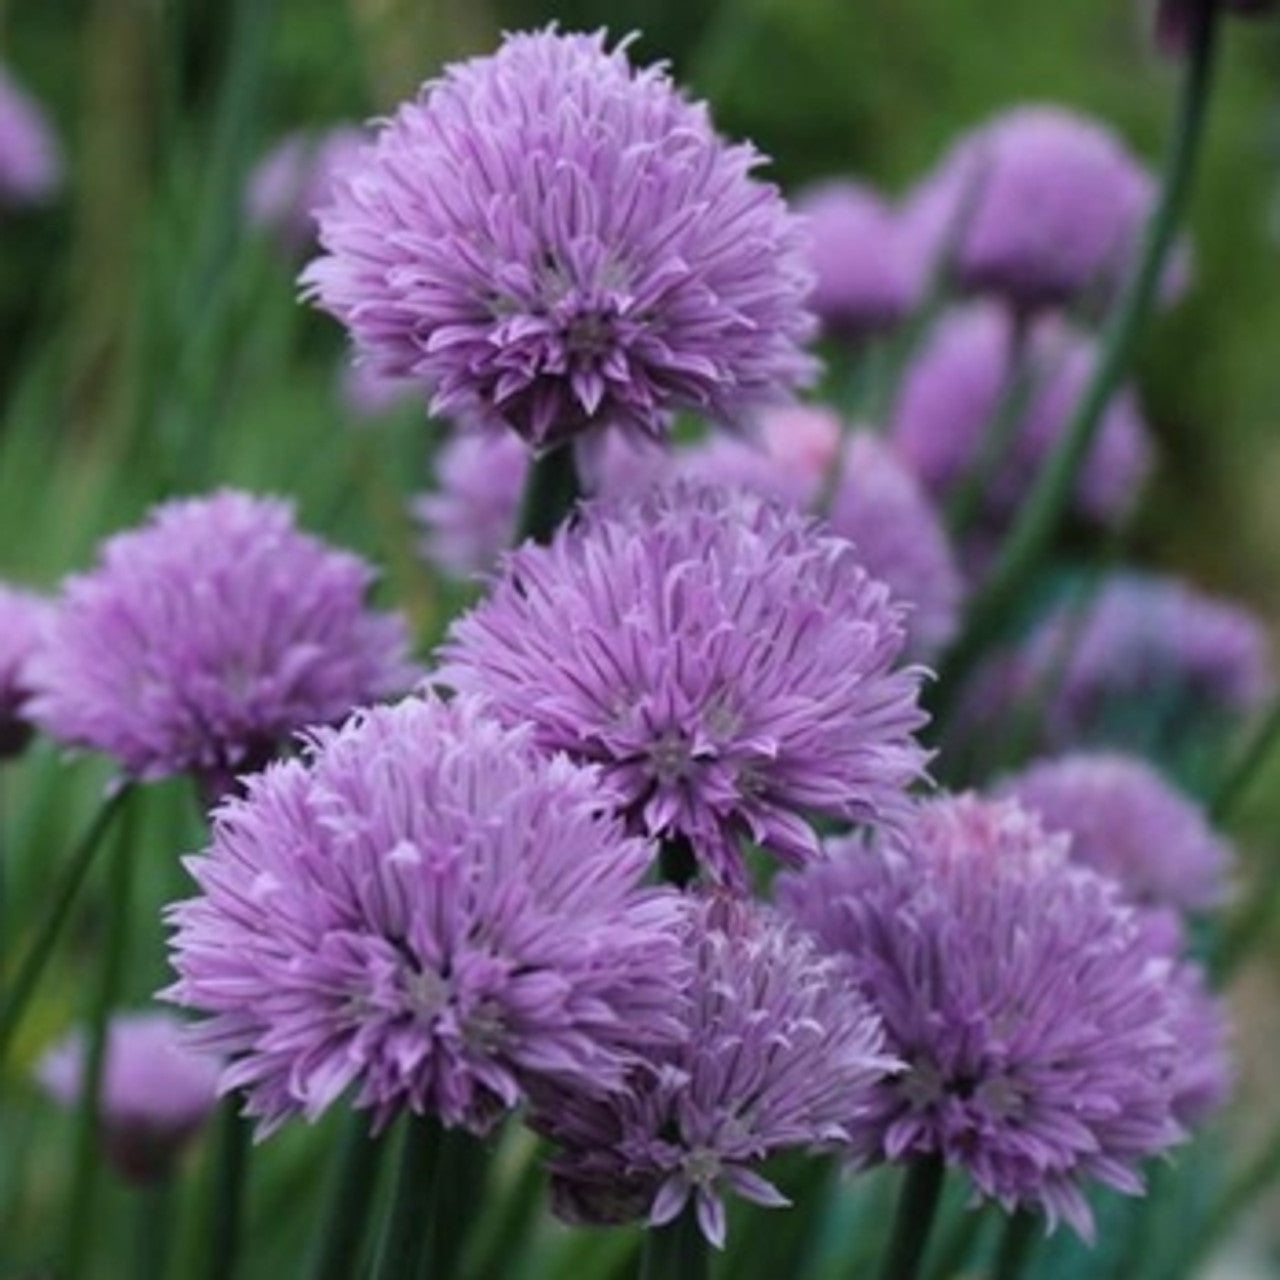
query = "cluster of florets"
x=30 y=159
x=778 y=1050
x=1038 y=1027
x=202 y=641
x=551 y=238
x=730 y=668
x=24 y=616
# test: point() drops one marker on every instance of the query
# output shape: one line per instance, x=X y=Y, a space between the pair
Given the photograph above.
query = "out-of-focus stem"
x=917 y=1208
x=676 y=1251
x=552 y=490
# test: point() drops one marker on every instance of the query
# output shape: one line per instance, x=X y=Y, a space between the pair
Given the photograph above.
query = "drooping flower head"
x=428 y=912
x=869 y=497
x=778 y=1051
x=551 y=238
x=865 y=281
x=23 y=619
x=203 y=640
x=1127 y=822
x=30 y=159
x=294 y=179
x=729 y=666
x=157 y=1091
x=1038 y=1029
x=1044 y=207
x=957 y=387
x=1148 y=659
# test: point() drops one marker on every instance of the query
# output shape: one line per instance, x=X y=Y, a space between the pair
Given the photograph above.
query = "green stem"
x=347 y=1203
x=1244 y=773
x=1043 y=510
x=405 y=1236
x=677 y=1251
x=1016 y=1245
x=153 y=1210
x=552 y=490
x=458 y=1194
x=957 y=1245
x=88 y=1136
x=1240 y=1193
x=489 y=1250
x=13 y=1002
x=917 y=1208
x=230 y=1174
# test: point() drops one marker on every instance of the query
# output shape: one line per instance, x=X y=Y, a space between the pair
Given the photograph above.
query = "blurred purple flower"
x=779 y=1050
x=368 y=395
x=294 y=179
x=156 y=1091
x=429 y=912
x=865 y=282
x=1039 y=1029
x=24 y=617
x=30 y=159
x=205 y=638
x=551 y=238
x=956 y=386
x=1127 y=822
x=1045 y=207
x=1146 y=658
x=729 y=666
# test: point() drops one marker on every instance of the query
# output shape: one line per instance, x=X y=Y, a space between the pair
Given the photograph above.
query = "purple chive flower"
x=23 y=620
x=1202 y=1027
x=729 y=666
x=294 y=179
x=779 y=1050
x=1146 y=658
x=1125 y=821
x=869 y=498
x=954 y=391
x=1038 y=1028
x=1047 y=204
x=551 y=238
x=863 y=267
x=430 y=912
x=30 y=159
x=157 y=1092
x=1173 y=19
x=204 y=639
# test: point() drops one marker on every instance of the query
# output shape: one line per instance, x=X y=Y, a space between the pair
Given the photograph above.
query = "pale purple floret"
x=1145 y=652
x=367 y=395
x=956 y=387
x=1041 y=205
x=730 y=667
x=869 y=497
x=24 y=616
x=201 y=641
x=779 y=1051
x=554 y=239
x=30 y=158
x=1039 y=1029
x=1127 y=822
x=157 y=1091
x=427 y=912
x=864 y=270
x=295 y=178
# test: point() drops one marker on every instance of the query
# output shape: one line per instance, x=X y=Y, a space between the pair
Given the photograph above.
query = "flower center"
x=701 y=1166
x=426 y=994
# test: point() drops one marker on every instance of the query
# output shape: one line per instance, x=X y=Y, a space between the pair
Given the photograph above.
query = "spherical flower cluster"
x=30 y=160
x=156 y=1091
x=778 y=1051
x=428 y=912
x=729 y=666
x=1044 y=206
x=1145 y=654
x=1174 y=17
x=554 y=239
x=294 y=179
x=23 y=620
x=1038 y=1029
x=1125 y=821
x=869 y=497
x=202 y=640
x=865 y=282
x=961 y=381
